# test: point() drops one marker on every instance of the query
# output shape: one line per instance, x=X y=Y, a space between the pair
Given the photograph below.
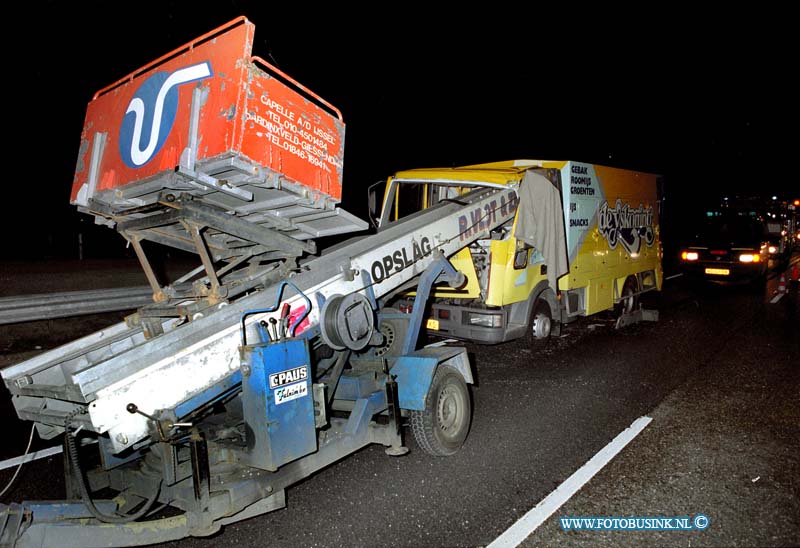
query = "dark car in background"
x=728 y=248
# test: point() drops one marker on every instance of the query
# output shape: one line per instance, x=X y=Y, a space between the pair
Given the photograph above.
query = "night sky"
x=702 y=100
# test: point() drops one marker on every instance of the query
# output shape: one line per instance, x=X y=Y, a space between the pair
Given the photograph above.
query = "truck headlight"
x=485 y=320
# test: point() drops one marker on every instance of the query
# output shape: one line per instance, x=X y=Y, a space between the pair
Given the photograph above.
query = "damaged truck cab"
x=584 y=240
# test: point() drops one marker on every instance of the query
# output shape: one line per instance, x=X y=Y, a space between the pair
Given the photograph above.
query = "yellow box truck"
x=584 y=240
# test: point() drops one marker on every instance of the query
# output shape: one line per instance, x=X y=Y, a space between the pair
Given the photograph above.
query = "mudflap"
x=636 y=316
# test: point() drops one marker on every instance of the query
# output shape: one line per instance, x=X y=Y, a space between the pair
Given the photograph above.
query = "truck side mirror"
x=373 y=206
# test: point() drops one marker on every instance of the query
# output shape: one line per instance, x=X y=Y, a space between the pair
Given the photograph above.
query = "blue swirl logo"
x=151 y=113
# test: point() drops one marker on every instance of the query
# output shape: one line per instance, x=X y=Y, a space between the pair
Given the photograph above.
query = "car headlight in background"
x=772 y=250
x=750 y=258
x=689 y=255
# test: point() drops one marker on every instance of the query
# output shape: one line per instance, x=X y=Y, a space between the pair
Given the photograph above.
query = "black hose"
x=87 y=500
x=336 y=373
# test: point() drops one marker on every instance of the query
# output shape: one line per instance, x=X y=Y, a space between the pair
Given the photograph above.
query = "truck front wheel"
x=441 y=428
x=541 y=321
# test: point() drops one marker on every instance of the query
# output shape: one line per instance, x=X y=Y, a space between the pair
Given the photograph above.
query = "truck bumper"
x=479 y=325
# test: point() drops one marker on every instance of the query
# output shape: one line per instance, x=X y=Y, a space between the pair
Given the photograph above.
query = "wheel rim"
x=627 y=304
x=541 y=326
x=628 y=299
x=450 y=411
x=389 y=336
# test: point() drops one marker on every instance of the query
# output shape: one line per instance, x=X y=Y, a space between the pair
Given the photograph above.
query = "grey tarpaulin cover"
x=540 y=223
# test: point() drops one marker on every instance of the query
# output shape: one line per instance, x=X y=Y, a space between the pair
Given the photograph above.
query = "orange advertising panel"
x=637 y=188
x=244 y=110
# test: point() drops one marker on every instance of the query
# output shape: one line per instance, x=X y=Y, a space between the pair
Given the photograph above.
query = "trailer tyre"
x=440 y=430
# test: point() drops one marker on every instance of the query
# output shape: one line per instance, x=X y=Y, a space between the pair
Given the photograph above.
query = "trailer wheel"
x=441 y=428
x=394 y=333
x=628 y=299
x=541 y=321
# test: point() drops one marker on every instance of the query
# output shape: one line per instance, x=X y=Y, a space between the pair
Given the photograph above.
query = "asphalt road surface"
x=719 y=375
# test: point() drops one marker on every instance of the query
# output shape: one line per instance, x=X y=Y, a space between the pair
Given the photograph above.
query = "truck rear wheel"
x=628 y=299
x=441 y=428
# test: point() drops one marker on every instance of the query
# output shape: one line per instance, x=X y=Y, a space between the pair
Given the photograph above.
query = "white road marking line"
x=776 y=298
x=528 y=523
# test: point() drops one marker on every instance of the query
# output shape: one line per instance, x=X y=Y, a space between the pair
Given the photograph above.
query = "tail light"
x=689 y=256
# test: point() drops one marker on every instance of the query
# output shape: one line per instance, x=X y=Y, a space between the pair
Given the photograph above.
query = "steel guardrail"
x=48 y=306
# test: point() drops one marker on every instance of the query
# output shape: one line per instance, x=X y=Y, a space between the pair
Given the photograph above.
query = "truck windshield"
x=407 y=197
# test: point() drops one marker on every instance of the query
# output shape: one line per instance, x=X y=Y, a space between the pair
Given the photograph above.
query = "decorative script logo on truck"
x=625 y=225
x=151 y=113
